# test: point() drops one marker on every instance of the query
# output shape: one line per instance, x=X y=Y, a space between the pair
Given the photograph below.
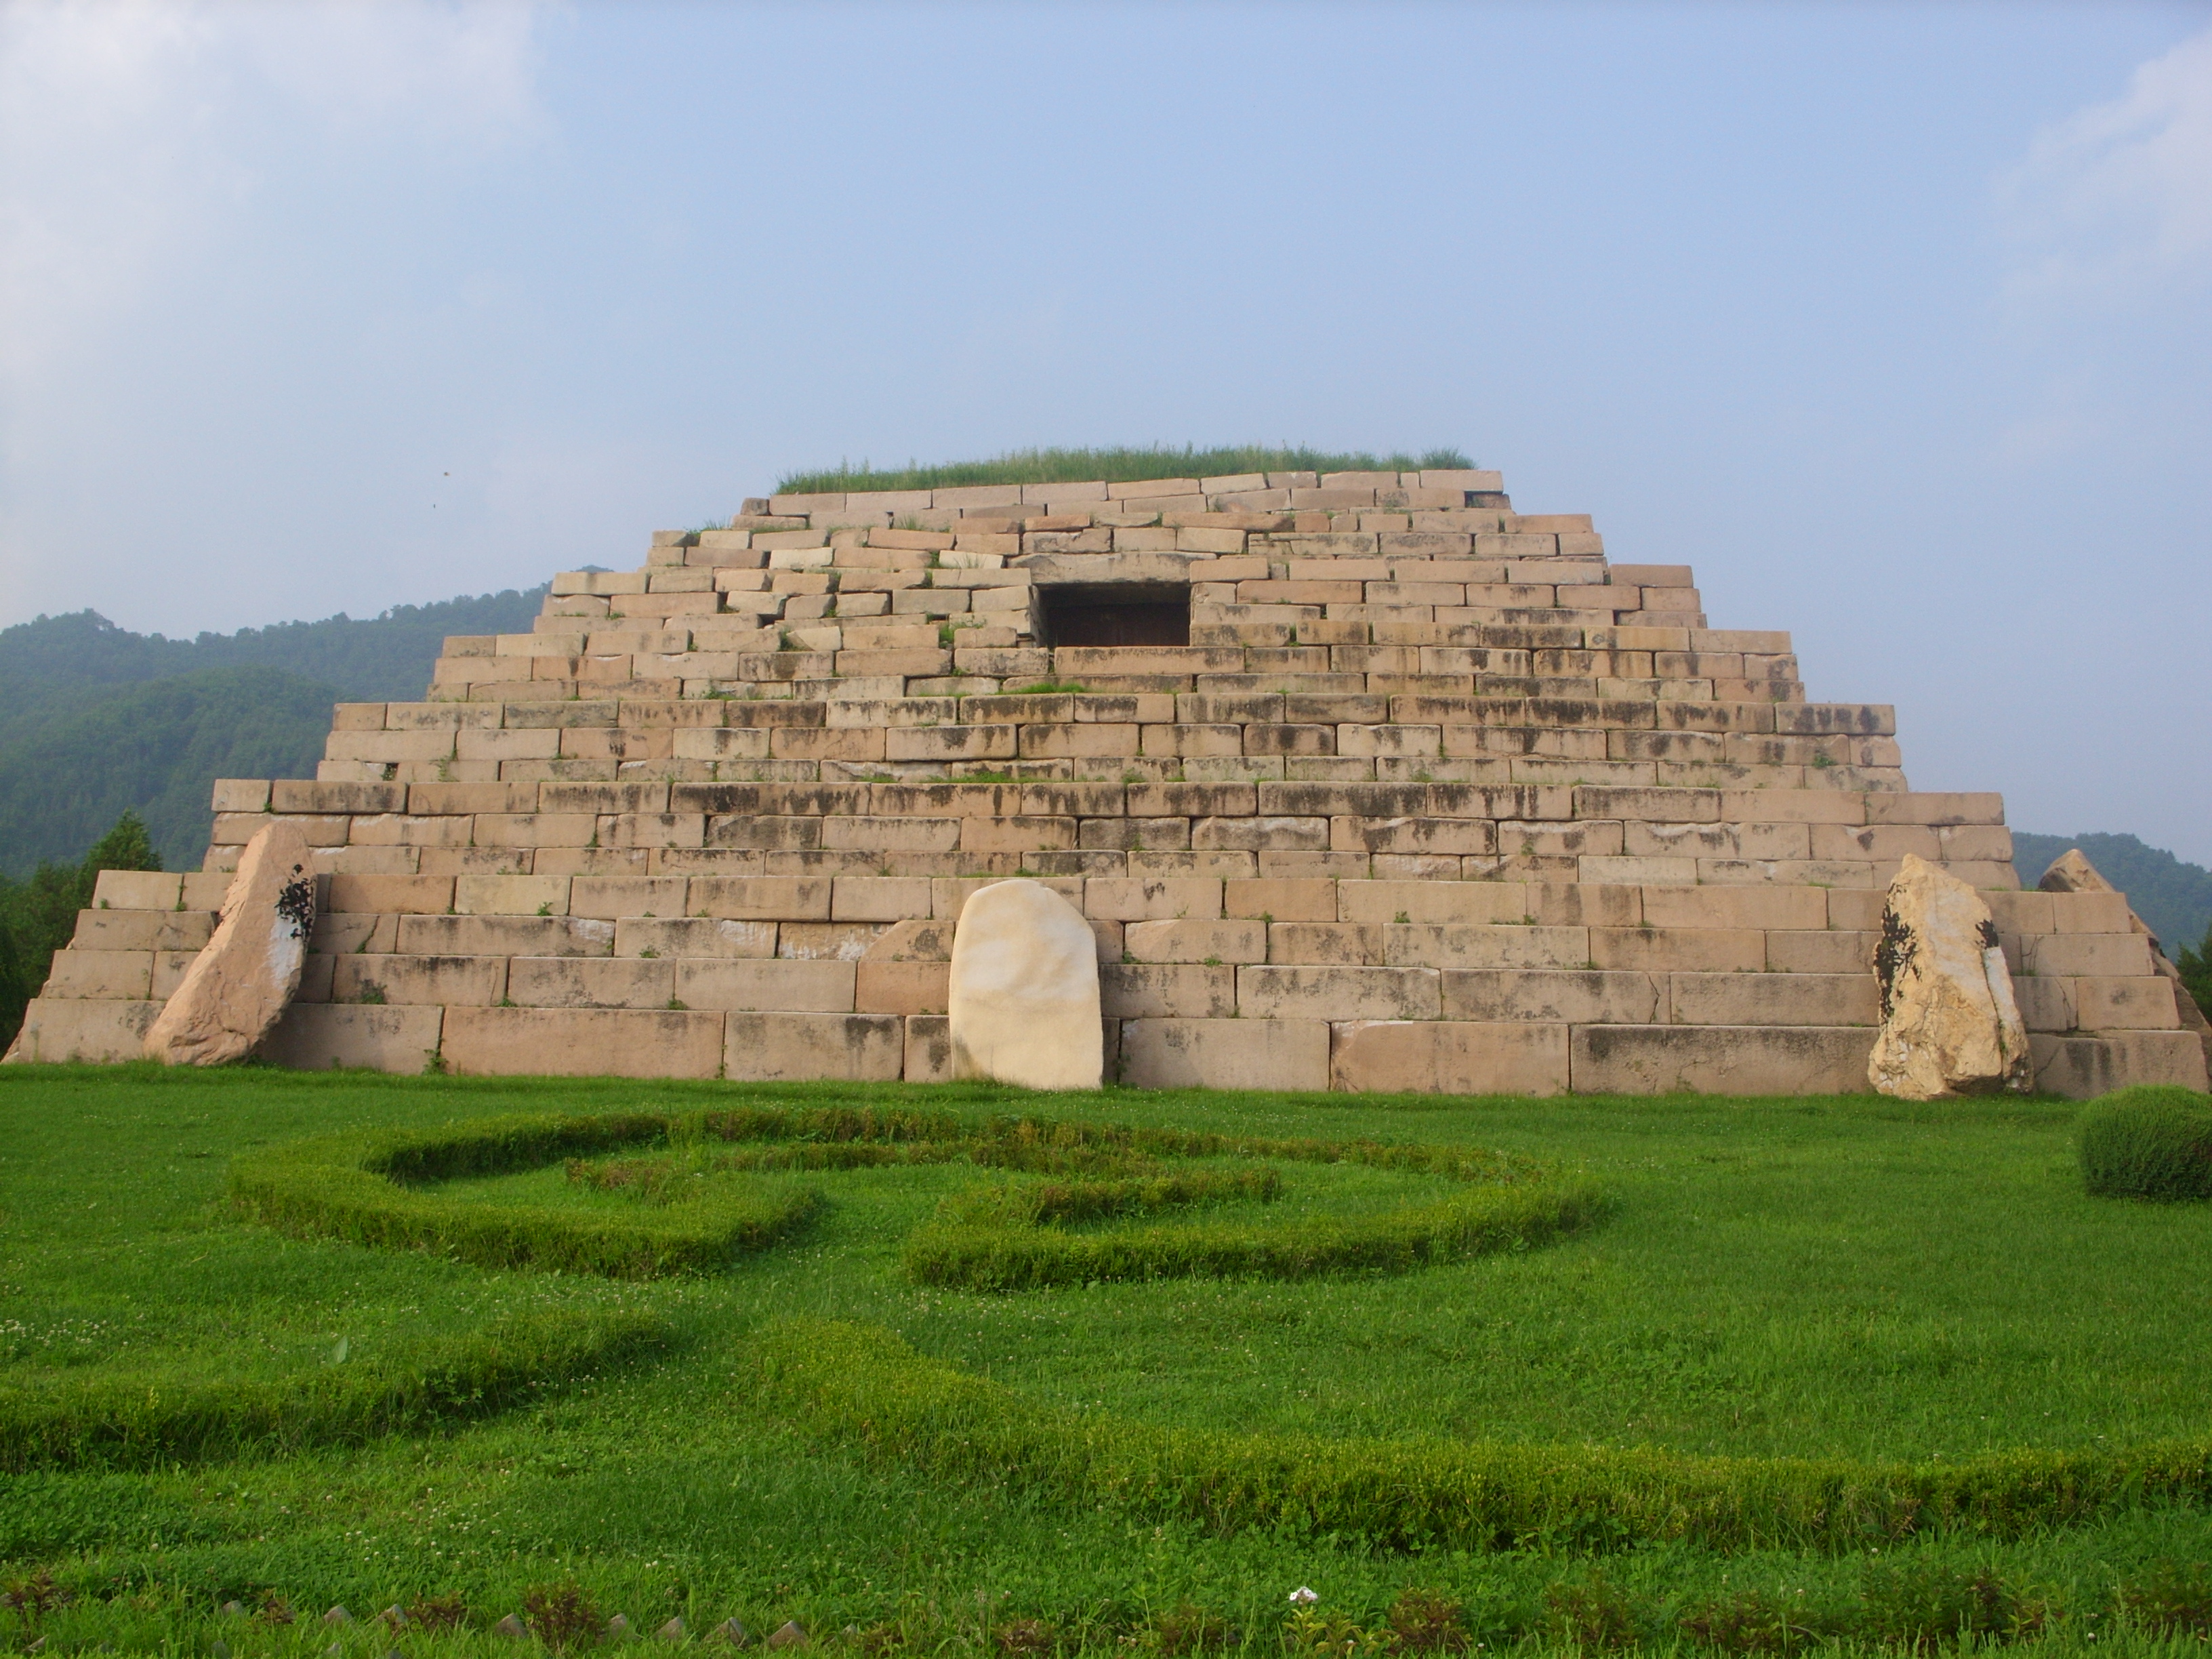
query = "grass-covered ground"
x=1855 y=1278
x=1115 y=465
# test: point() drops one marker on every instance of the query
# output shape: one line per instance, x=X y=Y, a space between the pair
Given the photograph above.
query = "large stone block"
x=2082 y=1068
x=1440 y=902
x=1736 y=1059
x=58 y=1028
x=824 y=986
x=1197 y=941
x=105 y=975
x=1167 y=991
x=1691 y=950
x=506 y=936
x=510 y=896
x=417 y=980
x=1123 y=898
x=1775 y=999
x=313 y=1037
x=929 y=1049
x=762 y=898
x=693 y=936
x=1450 y=1057
x=1338 y=993
x=138 y=890
x=1224 y=1054
x=900 y=987
x=590 y=982
x=1461 y=944
x=792 y=1048
x=1578 y=997
x=2106 y=956
x=2126 y=1005
x=583 y=1042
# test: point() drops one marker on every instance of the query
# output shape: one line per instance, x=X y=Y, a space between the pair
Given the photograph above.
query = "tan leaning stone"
x=1023 y=998
x=2072 y=873
x=1949 y=1023
x=238 y=985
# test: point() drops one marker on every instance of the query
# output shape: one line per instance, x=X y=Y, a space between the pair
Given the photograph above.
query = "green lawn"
x=1853 y=1278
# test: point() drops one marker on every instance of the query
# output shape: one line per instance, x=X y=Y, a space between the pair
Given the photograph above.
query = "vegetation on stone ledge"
x=1121 y=464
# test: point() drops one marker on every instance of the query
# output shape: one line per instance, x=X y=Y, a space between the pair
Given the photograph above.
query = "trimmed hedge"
x=1016 y=1257
x=1035 y=1203
x=355 y=1187
x=863 y=1386
x=367 y=1189
x=2152 y=1142
x=133 y=1419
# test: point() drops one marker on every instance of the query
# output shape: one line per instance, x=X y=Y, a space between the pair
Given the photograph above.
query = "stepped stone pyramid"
x=1364 y=781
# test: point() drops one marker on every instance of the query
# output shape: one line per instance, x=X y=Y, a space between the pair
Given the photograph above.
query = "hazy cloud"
x=134 y=129
x=2118 y=196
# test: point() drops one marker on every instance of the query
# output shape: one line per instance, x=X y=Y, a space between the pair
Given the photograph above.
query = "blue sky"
x=1894 y=321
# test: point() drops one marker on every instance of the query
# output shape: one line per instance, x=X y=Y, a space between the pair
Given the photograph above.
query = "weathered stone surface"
x=1453 y=1057
x=1726 y=1059
x=1950 y=1025
x=2072 y=873
x=313 y=1037
x=929 y=1049
x=241 y=982
x=2082 y=1067
x=1224 y=1054
x=583 y=1042
x=1024 y=997
x=789 y=1048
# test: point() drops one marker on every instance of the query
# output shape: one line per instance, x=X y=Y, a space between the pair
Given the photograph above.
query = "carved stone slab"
x=1023 y=999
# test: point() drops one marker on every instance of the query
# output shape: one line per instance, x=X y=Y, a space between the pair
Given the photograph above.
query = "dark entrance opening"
x=1115 y=613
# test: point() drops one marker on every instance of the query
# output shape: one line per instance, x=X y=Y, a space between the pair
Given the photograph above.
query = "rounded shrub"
x=2152 y=1142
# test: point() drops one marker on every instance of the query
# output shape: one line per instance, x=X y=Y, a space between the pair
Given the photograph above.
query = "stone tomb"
x=1362 y=782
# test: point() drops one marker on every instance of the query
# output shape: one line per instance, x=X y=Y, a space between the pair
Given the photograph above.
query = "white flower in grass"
x=1304 y=1596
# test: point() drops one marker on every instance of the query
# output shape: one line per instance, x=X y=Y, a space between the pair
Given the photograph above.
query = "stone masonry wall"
x=1435 y=798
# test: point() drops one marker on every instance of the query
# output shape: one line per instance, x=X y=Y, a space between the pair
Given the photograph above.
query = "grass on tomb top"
x=1116 y=466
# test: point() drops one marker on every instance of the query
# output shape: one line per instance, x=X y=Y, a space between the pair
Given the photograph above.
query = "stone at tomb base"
x=1950 y=1025
x=240 y=984
x=2072 y=873
x=1024 y=996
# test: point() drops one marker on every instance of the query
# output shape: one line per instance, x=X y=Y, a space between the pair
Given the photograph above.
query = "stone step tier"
x=1435 y=798
x=1285 y=981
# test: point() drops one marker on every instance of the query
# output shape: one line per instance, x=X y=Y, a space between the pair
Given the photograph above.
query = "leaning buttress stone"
x=241 y=981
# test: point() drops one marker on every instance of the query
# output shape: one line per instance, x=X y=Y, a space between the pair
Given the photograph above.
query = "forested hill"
x=95 y=720
x=2173 y=898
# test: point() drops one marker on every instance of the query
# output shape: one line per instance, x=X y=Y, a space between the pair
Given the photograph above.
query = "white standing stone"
x=242 y=979
x=1949 y=1023
x=1024 y=1001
